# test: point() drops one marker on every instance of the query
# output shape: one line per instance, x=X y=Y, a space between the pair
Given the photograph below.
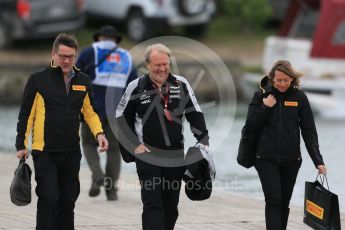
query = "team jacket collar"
x=171 y=80
x=267 y=88
x=53 y=66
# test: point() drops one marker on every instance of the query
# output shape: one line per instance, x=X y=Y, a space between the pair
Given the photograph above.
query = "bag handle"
x=22 y=160
x=323 y=178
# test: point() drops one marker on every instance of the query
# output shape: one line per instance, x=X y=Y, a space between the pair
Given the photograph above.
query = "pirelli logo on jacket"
x=78 y=87
x=291 y=103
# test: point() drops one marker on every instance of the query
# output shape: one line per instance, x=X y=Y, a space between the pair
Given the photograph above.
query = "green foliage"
x=246 y=14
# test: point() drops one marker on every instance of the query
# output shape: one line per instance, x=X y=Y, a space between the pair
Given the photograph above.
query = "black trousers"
x=57 y=177
x=160 y=192
x=277 y=180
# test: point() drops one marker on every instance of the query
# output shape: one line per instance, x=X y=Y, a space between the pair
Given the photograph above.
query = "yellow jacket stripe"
x=38 y=134
x=36 y=122
x=30 y=123
x=91 y=117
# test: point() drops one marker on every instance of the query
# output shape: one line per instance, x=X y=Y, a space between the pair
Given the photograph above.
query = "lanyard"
x=165 y=99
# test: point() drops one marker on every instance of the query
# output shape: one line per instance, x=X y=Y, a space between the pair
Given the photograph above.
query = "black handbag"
x=247 y=148
x=321 y=207
x=20 y=189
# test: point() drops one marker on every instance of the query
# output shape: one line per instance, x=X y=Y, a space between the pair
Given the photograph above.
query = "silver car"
x=143 y=18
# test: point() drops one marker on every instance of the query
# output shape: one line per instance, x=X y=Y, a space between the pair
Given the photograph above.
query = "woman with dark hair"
x=278 y=113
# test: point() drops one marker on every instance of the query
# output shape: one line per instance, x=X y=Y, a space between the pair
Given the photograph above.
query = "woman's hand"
x=322 y=169
x=269 y=101
x=141 y=149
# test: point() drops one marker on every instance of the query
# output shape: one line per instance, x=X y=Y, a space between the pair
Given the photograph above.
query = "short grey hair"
x=159 y=48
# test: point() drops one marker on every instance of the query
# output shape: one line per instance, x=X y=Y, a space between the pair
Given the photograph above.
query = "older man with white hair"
x=150 y=117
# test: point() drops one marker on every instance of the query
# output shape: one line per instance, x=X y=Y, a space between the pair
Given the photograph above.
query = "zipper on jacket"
x=279 y=126
x=59 y=75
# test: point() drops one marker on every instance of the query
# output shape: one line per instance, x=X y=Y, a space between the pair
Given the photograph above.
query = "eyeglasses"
x=63 y=57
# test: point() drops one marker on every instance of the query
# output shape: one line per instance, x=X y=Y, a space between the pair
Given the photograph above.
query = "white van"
x=144 y=17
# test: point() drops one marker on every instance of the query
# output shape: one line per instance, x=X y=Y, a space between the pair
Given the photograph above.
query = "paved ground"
x=223 y=211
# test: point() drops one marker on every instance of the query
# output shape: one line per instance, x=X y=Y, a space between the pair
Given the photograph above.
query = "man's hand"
x=141 y=149
x=322 y=169
x=102 y=142
x=23 y=153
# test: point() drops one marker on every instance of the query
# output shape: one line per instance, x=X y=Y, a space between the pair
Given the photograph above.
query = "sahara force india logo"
x=314 y=209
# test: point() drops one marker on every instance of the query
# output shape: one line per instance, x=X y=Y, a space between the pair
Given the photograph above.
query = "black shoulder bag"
x=247 y=148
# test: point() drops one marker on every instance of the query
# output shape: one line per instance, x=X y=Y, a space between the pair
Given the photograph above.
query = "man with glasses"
x=53 y=101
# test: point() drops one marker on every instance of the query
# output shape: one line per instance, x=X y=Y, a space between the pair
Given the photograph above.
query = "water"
x=224 y=141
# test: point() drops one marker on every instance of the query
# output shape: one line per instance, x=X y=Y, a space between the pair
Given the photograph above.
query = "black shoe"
x=111 y=195
x=94 y=190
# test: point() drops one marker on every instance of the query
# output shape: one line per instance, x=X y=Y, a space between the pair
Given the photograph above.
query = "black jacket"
x=51 y=114
x=141 y=117
x=279 y=127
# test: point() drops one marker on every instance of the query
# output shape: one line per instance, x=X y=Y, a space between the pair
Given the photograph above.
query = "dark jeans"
x=277 y=181
x=57 y=177
x=160 y=191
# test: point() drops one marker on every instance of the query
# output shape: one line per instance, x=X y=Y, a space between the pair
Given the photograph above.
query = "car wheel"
x=198 y=30
x=5 y=39
x=137 y=26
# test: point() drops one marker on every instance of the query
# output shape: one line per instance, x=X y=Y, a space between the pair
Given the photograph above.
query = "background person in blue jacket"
x=279 y=112
x=110 y=68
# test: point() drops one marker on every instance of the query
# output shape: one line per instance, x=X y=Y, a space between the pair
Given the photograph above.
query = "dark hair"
x=66 y=40
x=285 y=67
